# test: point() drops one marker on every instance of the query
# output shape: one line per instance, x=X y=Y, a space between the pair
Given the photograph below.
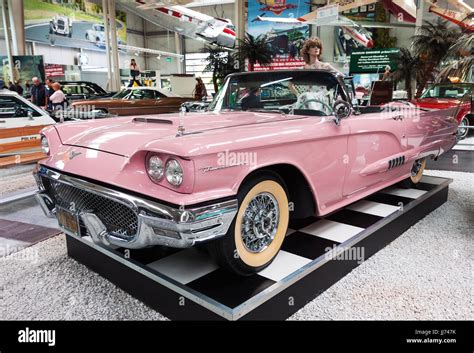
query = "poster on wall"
x=70 y=23
x=25 y=67
x=285 y=40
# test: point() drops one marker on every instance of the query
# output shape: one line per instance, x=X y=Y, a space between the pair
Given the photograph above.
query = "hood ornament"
x=181 y=131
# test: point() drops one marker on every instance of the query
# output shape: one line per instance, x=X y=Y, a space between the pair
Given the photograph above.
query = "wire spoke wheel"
x=260 y=222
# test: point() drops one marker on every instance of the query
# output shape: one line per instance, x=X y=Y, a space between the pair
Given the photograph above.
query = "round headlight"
x=44 y=145
x=155 y=168
x=174 y=172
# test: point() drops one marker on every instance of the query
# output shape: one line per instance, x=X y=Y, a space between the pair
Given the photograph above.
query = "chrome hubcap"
x=463 y=130
x=416 y=168
x=260 y=222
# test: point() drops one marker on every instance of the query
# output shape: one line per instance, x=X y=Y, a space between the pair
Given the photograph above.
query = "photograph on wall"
x=70 y=23
x=25 y=67
x=285 y=40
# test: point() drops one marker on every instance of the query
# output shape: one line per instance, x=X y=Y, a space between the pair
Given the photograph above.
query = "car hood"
x=126 y=136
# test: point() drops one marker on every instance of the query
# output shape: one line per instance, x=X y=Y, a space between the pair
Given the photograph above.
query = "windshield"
x=300 y=92
x=122 y=94
x=447 y=91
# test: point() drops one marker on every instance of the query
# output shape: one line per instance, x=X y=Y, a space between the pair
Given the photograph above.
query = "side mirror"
x=342 y=110
x=30 y=115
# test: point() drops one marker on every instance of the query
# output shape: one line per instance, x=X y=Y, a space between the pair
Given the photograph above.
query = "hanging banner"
x=76 y=24
x=285 y=40
x=25 y=67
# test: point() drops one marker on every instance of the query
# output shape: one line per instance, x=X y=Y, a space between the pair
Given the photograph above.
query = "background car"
x=196 y=106
x=20 y=124
x=135 y=101
x=60 y=25
x=97 y=35
x=449 y=95
x=75 y=90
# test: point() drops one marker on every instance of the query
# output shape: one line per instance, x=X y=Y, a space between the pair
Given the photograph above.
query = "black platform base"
x=188 y=285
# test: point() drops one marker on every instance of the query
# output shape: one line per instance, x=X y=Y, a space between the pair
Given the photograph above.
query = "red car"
x=448 y=95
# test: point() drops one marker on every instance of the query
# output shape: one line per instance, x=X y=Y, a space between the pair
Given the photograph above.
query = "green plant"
x=254 y=49
x=461 y=55
x=221 y=63
x=408 y=68
x=431 y=45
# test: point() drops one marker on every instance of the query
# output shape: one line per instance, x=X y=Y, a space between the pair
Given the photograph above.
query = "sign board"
x=53 y=70
x=373 y=61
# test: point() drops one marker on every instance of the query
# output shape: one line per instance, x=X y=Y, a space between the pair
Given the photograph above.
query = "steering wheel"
x=19 y=111
x=305 y=104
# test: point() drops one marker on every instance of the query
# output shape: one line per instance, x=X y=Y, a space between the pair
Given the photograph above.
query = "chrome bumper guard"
x=158 y=224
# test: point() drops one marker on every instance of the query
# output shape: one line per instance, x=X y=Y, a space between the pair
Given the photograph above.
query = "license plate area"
x=68 y=221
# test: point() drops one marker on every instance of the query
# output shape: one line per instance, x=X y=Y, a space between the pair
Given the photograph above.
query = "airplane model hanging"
x=456 y=17
x=186 y=22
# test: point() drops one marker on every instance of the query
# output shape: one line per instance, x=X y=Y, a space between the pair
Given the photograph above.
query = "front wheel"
x=259 y=228
x=463 y=131
x=416 y=173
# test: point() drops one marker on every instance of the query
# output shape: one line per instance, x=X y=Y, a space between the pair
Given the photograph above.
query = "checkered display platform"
x=309 y=244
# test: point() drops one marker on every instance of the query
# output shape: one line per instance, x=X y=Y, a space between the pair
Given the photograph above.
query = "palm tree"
x=220 y=62
x=431 y=45
x=255 y=50
x=408 y=69
x=463 y=53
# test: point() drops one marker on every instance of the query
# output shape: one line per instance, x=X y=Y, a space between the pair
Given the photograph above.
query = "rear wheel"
x=259 y=228
x=416 y=173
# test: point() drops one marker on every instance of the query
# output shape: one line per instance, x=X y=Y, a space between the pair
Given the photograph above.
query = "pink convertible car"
x=274 y=146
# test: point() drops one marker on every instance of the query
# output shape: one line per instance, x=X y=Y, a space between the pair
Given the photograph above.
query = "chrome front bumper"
x=158 y=224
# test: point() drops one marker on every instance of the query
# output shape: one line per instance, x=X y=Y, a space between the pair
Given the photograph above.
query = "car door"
x=137 y=102
x=376 y=147
x=143 y=101
x=165 y=104
x=20 y=124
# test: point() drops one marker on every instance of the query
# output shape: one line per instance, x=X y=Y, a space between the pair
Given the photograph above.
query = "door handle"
x=398 y=117
x=2 y=121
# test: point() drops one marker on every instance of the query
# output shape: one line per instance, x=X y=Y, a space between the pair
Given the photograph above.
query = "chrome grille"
x=119 y=219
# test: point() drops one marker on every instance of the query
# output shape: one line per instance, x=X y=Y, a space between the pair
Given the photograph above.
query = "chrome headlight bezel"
x=174 y=172
x=45 y=145
x=154 y=161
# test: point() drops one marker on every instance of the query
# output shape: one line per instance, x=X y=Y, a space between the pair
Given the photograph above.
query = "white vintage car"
x=97 y=35
x=61 y=25
x=20 y=120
